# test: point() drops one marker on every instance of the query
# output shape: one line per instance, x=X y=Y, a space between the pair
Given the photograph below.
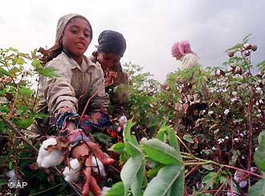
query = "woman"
x=76 y=98
x=110 y=49
x=182 y=51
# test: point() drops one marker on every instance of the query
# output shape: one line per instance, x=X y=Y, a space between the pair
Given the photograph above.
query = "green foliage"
x=133 y=171
x=197 y=124
x=168 y=182
x=259 y=156
x=258 y=189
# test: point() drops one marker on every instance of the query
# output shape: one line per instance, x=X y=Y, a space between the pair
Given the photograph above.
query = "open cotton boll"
x=97 y=166
x=49 y=158
x=105 y=189
x=72 y=174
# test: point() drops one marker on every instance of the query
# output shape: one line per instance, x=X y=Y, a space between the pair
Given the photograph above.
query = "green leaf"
x=116 y=190
x=137 y=183
x=208 y=167
x=209 y=179
x=166 y=132
x=259 y=156
x=36 y=64
x=130 y=170
x=4 y=72
x=161 y=152
x=261 y=136
x=47 y=71
x=258 y=189
x=131 y=144
x=20 y=61
x=118 y=148
x=168 y=182
x=246 y=38
x=237 y=46
x=41 y=115
x=24 y=123
x=188 y=138
x=153 y=172
x=25 y=91
x=102 y=138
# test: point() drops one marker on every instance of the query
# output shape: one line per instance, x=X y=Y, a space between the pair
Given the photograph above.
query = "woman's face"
x=108 y=60
x=76 y=37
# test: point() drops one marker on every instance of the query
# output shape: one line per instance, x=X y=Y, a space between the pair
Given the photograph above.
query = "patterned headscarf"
x=111 y=42
x=63 y=21
x=181 y=48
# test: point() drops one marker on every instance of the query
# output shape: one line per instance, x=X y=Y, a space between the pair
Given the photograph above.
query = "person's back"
x=182 y=52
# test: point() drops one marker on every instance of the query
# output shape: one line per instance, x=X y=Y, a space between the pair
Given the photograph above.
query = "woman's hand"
x=86 y=150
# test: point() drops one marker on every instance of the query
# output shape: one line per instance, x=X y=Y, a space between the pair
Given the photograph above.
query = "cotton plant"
x=51 y=152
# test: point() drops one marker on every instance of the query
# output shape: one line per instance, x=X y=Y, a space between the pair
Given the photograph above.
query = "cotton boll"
x=71 y=173
x=75 y=164
x=105 y=189
x=49 y=158
x=97 y=165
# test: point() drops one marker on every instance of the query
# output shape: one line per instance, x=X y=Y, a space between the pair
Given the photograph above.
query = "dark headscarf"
x=111 y=42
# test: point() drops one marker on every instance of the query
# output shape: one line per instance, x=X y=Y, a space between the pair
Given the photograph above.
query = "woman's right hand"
x=85 y=151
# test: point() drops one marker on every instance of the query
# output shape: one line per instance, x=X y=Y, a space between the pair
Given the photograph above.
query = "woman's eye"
x=86 y=35
x=74 y=31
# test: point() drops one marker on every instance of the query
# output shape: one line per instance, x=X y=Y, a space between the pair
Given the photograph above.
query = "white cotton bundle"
x=122 y=123
x=98 y=167
x=49 y=158
x=105 y=190
x=71 y=173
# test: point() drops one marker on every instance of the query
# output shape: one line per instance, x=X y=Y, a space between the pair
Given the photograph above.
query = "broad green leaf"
x=131 y=144
x=173 y=140
x=137 y=183
x=153 y=172
x=130 y=170
x=161 y=152
x=257 y=189
x=168 y=182
x=166 y=132
x=25 y=91
x=259 y=156
x=261 y=136
x=116 y=190
x=118 y=148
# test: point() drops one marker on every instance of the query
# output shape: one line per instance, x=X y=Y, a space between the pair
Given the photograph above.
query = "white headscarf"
x=63 y=21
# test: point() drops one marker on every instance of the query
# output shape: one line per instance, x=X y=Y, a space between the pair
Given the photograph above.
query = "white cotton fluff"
x=48 y=159
x=122 y=123
x=97 y=165
x=72 y=173
x=105 y=189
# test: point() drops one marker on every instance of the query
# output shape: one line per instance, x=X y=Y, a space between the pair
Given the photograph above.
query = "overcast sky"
x=149 y=26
